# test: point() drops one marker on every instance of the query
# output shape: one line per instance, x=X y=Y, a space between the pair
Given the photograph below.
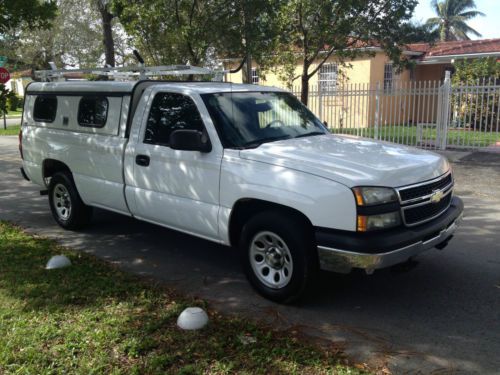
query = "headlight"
x=368 y=196
x=382 y=221
x=377 y=208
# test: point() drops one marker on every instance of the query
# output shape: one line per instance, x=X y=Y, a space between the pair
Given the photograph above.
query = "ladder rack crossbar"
x=130 y=71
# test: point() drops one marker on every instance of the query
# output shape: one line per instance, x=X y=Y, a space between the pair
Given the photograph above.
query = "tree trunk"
x=304 y=93
x=445 y=32
x=107 y=32
x=248 y=69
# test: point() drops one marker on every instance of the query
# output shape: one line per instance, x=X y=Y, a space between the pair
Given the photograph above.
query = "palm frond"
x=435 y=6
x=471 y=14
x=434 y=21
x=443 y=9
x=452 y=16
x=462 y=26
x=459 y=34
x=458 y=6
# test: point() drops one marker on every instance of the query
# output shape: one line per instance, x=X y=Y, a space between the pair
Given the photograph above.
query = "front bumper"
x=340 y=251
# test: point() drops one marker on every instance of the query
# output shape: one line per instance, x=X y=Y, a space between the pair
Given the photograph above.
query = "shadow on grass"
x=87 y=283
x=93 y=318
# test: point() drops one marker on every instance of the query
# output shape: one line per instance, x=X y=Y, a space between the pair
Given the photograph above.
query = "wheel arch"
x=52 y=166
x=245 y=208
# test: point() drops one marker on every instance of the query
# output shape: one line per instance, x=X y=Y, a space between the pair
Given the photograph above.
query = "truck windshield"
x=248 y=119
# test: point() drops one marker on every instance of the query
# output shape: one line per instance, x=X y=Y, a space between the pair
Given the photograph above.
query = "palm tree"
x=452 y=17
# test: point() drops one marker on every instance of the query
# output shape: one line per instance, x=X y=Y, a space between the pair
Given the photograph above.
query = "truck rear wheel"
x=277 y=254
x=67 y=207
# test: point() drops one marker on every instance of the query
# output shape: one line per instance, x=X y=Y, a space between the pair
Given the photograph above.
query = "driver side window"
x=169 y=112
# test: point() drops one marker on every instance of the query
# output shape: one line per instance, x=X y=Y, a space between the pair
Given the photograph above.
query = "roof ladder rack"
x=128 y=72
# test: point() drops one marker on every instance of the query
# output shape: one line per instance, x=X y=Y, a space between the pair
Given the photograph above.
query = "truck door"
x=178 y=189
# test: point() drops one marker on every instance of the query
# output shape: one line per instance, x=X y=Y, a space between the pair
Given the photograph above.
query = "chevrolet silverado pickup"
x=243 y=165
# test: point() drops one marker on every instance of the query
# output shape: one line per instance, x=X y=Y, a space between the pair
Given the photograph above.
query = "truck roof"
x=72 y=87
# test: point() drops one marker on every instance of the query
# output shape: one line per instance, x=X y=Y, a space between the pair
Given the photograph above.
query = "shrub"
x=477 y=110
x=14 y=102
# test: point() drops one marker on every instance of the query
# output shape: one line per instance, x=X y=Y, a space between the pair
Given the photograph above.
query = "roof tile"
x=461 y=47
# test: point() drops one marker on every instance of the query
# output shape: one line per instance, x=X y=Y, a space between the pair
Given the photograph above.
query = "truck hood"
x=352 y=161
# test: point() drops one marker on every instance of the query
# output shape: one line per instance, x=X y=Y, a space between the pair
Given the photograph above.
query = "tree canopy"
x=276 y=34
x=452 y=17
x=32 y=13
x=167 y=32
x=471 y=71
x=75 y=38
x=182 y=31
x=314 y=30
x=272 y=32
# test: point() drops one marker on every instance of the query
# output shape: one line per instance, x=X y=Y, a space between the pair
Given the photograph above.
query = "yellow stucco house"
x=370 y=89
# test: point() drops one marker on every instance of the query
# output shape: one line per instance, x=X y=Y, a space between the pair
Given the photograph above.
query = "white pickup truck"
x=242 y=165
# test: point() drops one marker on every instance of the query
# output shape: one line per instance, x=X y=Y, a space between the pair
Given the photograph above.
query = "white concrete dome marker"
x=58 y=261
x=192 y=318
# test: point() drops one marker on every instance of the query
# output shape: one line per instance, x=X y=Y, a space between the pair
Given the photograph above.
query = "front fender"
x=325 y=203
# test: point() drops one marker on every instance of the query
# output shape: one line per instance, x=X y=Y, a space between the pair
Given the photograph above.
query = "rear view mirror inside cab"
x=263 y=107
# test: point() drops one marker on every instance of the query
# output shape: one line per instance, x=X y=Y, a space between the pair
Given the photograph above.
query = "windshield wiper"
x=258 y=142
x=310 y=134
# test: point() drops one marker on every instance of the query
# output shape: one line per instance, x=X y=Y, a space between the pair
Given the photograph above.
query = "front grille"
x=413 y=215
x=416 y=205
x=423 y=190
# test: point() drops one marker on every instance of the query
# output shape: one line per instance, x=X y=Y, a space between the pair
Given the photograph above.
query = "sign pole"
x=4 y=78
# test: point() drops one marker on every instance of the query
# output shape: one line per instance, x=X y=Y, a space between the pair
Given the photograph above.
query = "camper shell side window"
x=45 y=108
x=93 y=111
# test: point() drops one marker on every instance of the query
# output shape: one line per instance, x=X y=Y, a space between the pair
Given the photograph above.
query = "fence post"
x=320 y=102
x=377 y=110
x=445 y=111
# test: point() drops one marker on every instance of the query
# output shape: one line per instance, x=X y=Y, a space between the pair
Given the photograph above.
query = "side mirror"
x=189 y=140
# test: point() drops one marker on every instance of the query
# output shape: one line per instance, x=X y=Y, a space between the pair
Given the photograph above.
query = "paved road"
x=441 y=316
x=12 y=121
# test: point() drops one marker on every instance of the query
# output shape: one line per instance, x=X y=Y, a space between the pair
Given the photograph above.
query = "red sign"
x=4 y=75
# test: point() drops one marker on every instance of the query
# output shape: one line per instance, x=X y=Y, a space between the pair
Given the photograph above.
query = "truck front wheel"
x=67 y=207
x=277 y=254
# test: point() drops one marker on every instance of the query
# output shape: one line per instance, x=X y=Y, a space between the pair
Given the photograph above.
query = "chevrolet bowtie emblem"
x=436 y=196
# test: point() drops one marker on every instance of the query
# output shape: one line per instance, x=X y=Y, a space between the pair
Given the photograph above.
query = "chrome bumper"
x=342 y=261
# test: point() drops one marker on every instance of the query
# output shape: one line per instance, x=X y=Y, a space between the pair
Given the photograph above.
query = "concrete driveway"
x=441 y=316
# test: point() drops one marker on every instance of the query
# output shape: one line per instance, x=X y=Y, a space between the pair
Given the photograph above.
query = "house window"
x=328 y=78
x=412 y=73
x=255 y=76
x=169 y=112
x=93 y=111
x=388 y=77
x=45 y=108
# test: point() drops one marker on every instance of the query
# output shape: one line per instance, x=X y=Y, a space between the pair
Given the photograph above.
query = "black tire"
x=297 y=238
x=72 y=213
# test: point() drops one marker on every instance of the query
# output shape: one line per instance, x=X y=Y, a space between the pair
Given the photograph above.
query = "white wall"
x=17 y=85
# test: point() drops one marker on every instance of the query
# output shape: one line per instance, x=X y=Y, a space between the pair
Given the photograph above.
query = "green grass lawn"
x=18 y=112
x=408 y=135
x=92 y=318
x=11 y=130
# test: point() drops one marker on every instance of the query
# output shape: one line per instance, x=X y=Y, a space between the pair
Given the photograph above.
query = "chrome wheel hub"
x=62 y=201
x=271 y=260
x=274 y=258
